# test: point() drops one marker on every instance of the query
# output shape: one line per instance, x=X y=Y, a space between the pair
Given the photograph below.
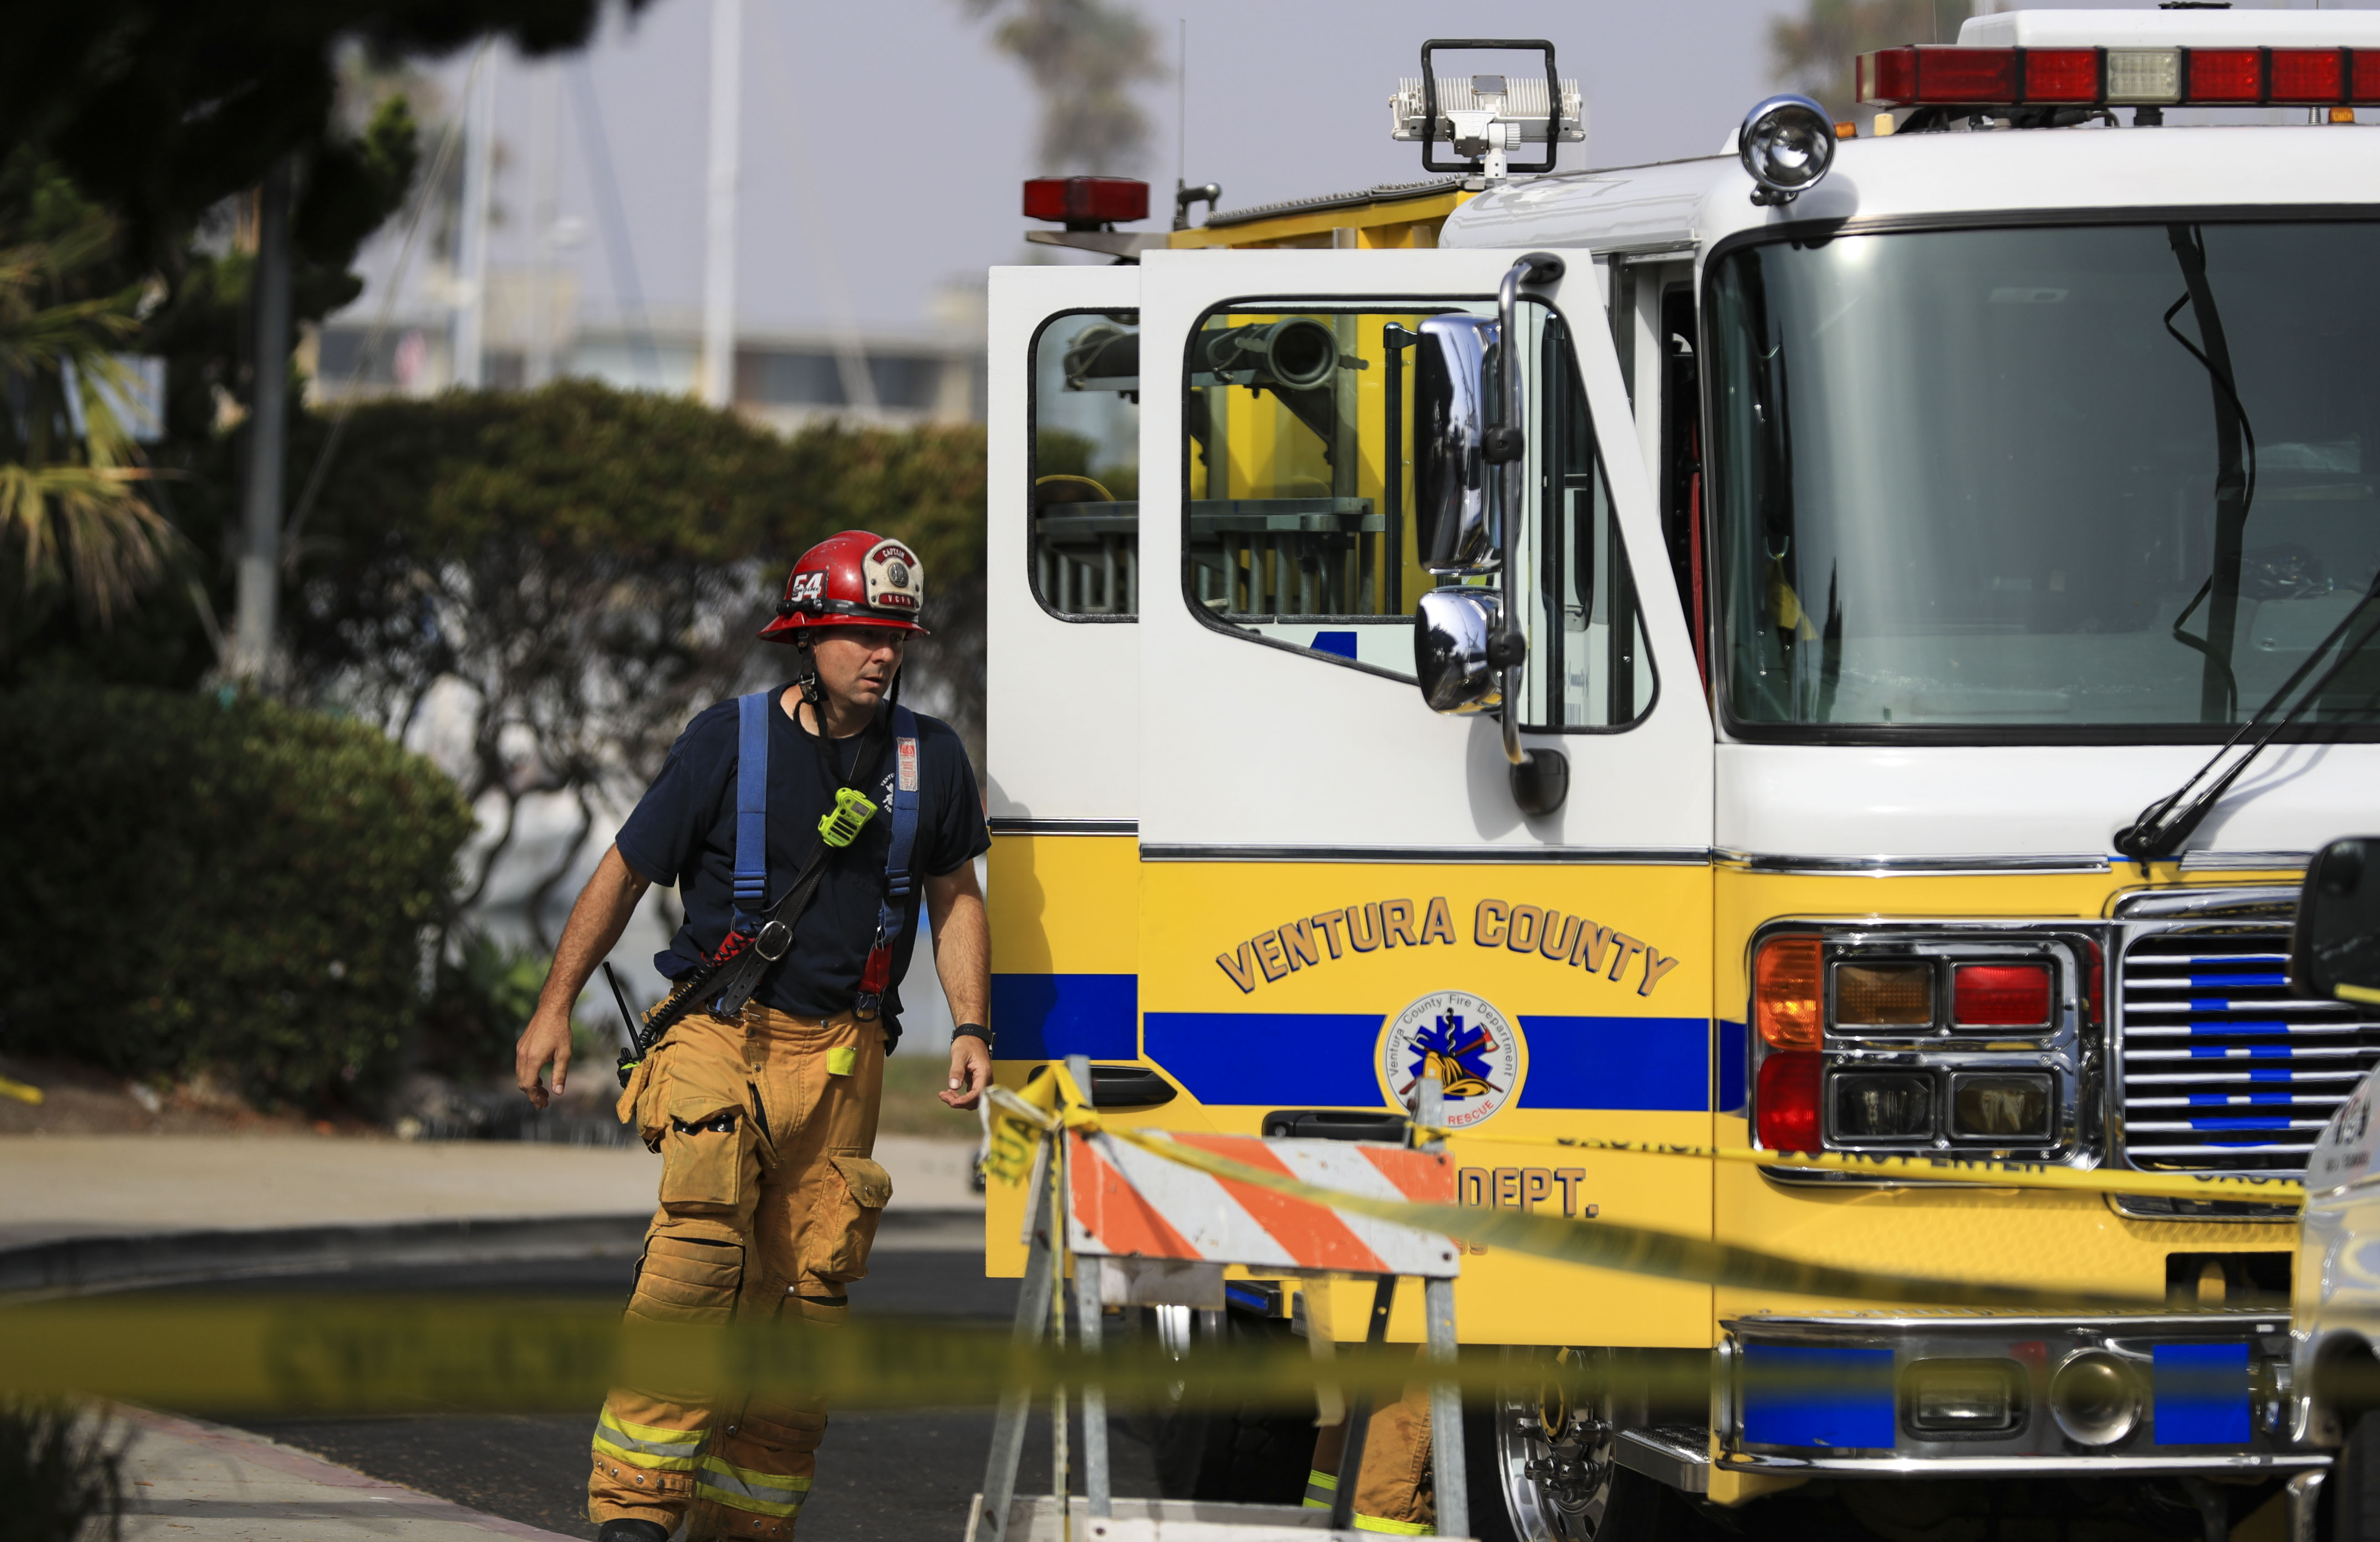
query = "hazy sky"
x=894 y=137
x=884 y=142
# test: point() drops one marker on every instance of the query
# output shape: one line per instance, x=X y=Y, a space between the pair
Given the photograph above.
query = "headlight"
x=1787 y=144
x=1886 y=1105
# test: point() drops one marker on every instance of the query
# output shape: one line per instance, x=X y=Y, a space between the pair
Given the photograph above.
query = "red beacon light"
x=1086 y=202
x=2148 y=60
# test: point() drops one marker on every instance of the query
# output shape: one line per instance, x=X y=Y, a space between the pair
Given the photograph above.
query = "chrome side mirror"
x=2335 y=954
x=1457 y=523
x=1453 y=628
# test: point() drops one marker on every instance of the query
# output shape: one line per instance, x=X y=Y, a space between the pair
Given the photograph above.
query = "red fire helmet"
x=852 y=579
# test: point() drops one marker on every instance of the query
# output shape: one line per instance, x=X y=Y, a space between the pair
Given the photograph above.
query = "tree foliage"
x=584 y=568
x=161 y=109
x=71 y=513
x=1084 y=56
x=1814 y=52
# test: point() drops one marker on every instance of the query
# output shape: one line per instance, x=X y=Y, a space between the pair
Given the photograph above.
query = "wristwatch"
x=972 y=1030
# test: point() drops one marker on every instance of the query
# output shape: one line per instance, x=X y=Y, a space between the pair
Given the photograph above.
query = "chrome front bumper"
x=1841 y=1395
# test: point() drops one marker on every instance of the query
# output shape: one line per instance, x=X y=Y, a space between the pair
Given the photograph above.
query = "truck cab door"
x=1062 y=675
x=1337 y=891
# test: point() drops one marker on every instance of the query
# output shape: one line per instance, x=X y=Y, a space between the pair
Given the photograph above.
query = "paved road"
x=881 y=1477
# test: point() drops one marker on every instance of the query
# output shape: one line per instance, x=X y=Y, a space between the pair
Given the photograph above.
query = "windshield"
x=2108 y=482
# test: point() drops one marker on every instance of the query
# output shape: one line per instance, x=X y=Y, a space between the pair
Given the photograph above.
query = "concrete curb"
x=82 y=1266
x=240 y=1446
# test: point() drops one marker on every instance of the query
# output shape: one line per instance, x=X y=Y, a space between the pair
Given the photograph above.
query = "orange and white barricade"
x=1144 y=1227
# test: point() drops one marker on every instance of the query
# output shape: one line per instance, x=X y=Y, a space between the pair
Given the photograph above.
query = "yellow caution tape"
x=1938 y=1169
x=350 y=1354
x=408 y=1355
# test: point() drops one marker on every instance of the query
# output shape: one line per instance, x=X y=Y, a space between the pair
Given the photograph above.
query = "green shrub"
x=62 y=1471
x=229 y=884
x=487 y=989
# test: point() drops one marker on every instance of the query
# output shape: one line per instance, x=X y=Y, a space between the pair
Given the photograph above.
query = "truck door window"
x=1589 y=665
x=1298 y=520
x=1085 y=466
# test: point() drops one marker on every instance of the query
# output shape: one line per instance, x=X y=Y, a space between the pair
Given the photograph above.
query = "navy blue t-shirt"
x=683 y=831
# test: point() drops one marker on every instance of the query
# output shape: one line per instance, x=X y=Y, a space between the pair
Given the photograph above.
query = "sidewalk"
x=89 y=1211
x=190 y=1482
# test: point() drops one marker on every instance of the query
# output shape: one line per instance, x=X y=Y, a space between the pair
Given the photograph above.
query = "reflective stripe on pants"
x=644 y=1446
x=777 y=1494
x=1321 y=1490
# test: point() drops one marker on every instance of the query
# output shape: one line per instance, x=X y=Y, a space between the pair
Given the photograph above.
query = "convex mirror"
x=1457 y=506
x=2335 y=954
x=1452 y=630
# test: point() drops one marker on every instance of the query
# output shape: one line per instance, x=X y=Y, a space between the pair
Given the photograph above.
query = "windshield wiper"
x=2235 y=478
x=2161 y=827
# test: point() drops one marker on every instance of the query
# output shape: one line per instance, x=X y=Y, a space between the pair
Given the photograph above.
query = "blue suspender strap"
x=892 y=913
x=751 y=802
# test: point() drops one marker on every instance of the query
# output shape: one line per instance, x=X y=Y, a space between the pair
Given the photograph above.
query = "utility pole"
x=718 y=380
x=471 y=249
x=260 y=555
x=544 y=213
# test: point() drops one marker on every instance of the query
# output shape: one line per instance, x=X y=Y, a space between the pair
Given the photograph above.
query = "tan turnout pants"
x=768 y=1203
x=1392 y=1492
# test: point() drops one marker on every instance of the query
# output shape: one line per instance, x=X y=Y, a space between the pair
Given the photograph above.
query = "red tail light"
x=1786 y=1104
x=1087 y=199
x=2001 y=996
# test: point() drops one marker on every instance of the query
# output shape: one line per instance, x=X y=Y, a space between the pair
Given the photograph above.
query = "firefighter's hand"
x=970 y=1071
x=547 y=1038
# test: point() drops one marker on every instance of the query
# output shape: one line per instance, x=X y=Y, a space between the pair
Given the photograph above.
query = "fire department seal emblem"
x=1474 y=1050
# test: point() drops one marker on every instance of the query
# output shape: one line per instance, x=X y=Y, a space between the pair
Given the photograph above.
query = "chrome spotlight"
x=1787 y=144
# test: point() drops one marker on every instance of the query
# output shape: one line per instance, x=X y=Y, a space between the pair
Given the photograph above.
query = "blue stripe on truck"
x=1622 y=1062
x=1051 y=1016
x=1276 y=1059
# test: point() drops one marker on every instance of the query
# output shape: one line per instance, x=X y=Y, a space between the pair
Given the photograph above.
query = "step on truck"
x=1727 y=653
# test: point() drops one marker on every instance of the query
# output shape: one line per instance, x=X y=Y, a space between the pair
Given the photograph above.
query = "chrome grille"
x=2221 y=1068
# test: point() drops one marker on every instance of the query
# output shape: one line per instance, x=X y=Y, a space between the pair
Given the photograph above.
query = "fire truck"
x=1839 y=645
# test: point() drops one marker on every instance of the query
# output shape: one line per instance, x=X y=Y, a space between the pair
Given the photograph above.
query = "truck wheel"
x=2351 y=1491
x=1245 y=1455
x=1541 y=1468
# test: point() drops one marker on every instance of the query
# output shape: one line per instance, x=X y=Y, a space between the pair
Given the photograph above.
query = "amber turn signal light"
x=1884 y=995
x=1788 y=1005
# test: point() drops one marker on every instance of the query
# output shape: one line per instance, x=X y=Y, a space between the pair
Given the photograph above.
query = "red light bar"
x=2309 y=74
x=1087 y=200
x=2061 y=75
x=1953 y=76
x=2231 y=75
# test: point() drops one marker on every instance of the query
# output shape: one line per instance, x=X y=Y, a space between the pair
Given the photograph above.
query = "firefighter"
x=1393 y=1492
x=765 y=1122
